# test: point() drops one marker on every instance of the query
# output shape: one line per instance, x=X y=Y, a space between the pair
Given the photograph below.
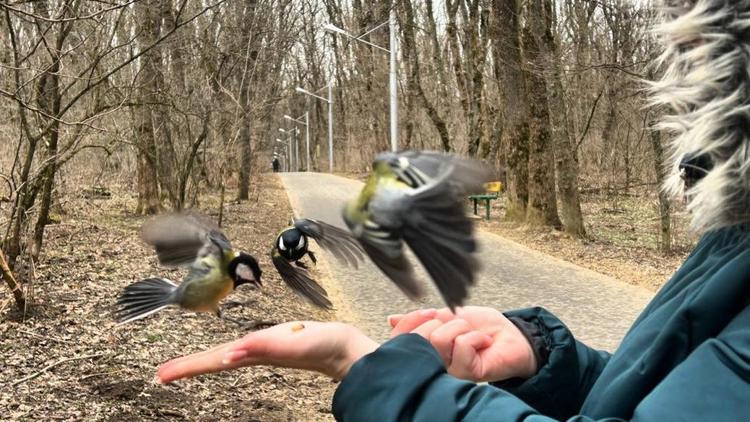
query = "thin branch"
x=60 y=20
x=591 y=117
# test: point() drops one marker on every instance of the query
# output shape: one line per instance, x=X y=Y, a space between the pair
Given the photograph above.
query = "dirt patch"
x=90 y=256
x=621 y=238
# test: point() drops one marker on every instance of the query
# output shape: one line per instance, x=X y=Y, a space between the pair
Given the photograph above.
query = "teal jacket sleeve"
x=405 y=380
x=566 y=377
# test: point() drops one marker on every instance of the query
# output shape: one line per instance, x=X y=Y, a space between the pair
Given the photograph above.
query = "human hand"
x=476 y=343
x=330 y=348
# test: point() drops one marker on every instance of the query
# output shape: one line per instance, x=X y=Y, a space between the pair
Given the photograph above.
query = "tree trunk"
x=13 y=285
x=566 y=163
x=542 y=208
x=148 y=154
x=244 y=140
x=665 y=218
x=245 y=149
x=505 y=34
x=48 y=100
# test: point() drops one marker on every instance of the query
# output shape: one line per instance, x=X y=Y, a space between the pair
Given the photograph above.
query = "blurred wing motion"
x=179 y=239
x=299 y=280
x=418 y=197
x=339 y=242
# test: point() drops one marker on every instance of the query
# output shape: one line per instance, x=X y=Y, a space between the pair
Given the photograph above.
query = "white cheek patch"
x=281 y=244
x=301 y=243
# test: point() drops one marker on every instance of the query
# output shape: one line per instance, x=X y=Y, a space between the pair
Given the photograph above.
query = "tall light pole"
x=305 y=122
x=329 y=100
x=293 y=134
x=289 y=153
x=392 y=73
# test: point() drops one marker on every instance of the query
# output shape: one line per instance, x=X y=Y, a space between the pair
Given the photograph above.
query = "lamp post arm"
x=306 y=92
x=366 y=42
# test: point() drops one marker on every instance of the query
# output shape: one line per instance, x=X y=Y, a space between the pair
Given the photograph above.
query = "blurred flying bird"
x=215 y=269
x=418 y=198
x=292 y=245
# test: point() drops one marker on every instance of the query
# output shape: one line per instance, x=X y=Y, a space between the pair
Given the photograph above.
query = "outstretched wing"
x=181 y=238
x=333 y=239
x=299 y=280
x=430 y=218
x=384 y=245
x=440 y=234
x=420 y=168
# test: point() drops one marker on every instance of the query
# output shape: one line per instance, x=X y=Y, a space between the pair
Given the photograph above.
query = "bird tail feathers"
x=144 y=298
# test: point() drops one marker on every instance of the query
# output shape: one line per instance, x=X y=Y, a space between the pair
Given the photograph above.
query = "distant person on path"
x=686 y=357
x=276 y=165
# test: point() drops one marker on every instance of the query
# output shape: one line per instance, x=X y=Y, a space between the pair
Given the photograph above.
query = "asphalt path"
x=598 y=309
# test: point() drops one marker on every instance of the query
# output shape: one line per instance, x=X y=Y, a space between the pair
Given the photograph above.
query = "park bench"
x=492 y=192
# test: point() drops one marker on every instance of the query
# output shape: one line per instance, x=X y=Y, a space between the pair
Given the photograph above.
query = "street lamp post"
x=392 y=73
x=329 y=100
x=295 y=151
x=288 y=145
x=305 y=122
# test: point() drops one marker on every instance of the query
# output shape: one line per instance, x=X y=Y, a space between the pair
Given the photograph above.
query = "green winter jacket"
x=687 y=358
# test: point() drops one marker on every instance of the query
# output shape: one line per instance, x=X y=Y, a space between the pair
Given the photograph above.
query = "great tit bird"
x=292 y=245
x=215 y=269
x=418 y=197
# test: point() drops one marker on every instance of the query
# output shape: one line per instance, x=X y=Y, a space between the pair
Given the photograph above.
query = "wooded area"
x=172 y=99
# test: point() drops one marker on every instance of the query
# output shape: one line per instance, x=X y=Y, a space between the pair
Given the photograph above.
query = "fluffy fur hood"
x=706 y=87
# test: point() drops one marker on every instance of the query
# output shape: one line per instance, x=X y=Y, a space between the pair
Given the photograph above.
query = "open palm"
x=330 y=348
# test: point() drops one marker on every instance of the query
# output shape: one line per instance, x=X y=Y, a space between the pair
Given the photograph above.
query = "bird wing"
x=299 y=280
x=181 y=238
x=442 y=237
x=333 y=239
x=384 y=245
x=431 y=219
x=420 y=168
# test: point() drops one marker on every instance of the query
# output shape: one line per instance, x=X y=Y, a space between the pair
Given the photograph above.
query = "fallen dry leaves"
x=99 y=371
x=621 y=239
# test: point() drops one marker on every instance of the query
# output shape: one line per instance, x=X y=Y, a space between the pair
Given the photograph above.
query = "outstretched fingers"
x=206 y=362
x=406 y=323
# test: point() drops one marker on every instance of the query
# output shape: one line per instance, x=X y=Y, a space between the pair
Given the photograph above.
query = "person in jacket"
x=686 y=357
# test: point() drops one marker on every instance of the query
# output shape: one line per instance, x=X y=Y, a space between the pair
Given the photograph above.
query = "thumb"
x=467 y=362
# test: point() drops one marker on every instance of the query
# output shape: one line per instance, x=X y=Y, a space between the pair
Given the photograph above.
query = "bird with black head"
x=215 y=270
x=292 y=245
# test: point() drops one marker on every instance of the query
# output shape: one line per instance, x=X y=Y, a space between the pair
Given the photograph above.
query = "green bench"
x=493 y=190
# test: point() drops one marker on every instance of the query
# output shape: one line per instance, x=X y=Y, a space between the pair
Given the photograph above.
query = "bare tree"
x=542 y=207
x=506 y=37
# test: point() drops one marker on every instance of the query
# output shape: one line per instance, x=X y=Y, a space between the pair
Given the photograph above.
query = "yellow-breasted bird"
x=418 y=197
x=292 y=244
x=215 y=269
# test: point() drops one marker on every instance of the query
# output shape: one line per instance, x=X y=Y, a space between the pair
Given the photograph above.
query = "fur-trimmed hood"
x=706 y=85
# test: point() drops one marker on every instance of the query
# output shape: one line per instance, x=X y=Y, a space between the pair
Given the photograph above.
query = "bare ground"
x=90 y=256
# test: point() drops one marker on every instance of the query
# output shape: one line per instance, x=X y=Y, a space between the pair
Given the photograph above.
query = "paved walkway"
x=597 y=308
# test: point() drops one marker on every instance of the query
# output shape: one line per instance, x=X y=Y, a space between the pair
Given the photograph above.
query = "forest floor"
x=621 y=241
x=104 y=372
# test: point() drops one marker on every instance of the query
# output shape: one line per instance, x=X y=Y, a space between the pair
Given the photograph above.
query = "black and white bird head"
x=292 y=244
x=705 y=85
